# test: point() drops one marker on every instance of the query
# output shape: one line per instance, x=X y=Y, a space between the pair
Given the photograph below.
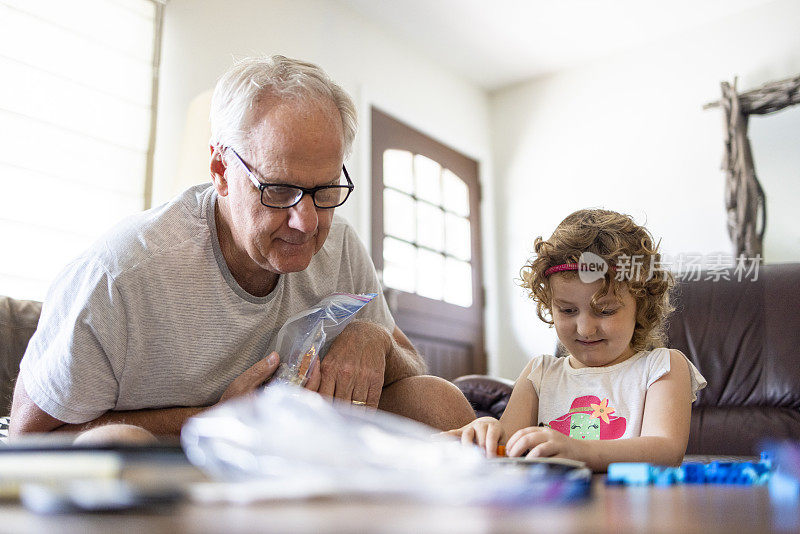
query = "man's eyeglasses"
x=284 y=196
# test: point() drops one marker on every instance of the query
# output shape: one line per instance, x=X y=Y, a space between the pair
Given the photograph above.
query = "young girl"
x=616 y=397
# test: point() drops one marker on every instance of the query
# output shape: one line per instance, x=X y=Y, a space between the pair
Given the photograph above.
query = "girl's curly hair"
x=632 y=256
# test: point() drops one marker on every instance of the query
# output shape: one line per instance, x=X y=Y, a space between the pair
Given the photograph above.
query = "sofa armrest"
x=488 y=395
x=18 y=321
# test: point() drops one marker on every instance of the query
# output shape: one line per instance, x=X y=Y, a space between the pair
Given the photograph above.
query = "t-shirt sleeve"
x=537 y=372
x=71 y=365
x=365 y=280
x=660 y=365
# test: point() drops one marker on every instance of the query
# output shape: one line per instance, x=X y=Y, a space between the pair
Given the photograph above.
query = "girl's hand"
x=486 y=432
x=537 y=441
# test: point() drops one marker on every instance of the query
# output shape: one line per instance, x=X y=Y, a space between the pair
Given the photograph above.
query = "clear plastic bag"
x=285 y=442
x=305 y=338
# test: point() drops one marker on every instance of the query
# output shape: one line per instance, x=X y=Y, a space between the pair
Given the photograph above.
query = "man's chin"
x=285 y=257
x=291 y=263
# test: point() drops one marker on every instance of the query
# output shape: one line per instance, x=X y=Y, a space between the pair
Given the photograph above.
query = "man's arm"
x=402 y=360
x=27 y=417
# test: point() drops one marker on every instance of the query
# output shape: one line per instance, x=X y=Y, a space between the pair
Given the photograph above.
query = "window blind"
x=77 y=84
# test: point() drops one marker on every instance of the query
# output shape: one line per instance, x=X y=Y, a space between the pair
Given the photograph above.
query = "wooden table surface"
x=701 y=509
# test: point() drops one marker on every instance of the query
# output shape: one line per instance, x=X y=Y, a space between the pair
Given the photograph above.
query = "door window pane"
x=455 y=194
x=399 y=215
x=427 y=228
x=398 y=170
x=458 y=283
x=430 y=274
x=428 y=175
x=430 y=226
x=457 y=234
x=398 y=257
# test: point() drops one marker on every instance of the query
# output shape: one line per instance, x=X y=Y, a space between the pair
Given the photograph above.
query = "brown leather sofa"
x=744 y=337
x=18 y=320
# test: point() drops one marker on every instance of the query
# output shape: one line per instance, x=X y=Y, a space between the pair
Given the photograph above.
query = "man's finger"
x=327 y=383
x=345 y=381
x=262 y=370
x=374 y=395
x=314 y=378
x=252 y=378
x=360 y=393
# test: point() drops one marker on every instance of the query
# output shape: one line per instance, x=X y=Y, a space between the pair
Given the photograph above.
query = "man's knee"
x=429 y=399
x=115 y=434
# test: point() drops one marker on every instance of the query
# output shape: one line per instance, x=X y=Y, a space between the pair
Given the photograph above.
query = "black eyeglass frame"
x=304 y=190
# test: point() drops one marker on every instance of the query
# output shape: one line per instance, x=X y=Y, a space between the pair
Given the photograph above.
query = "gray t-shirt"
x=151 y=317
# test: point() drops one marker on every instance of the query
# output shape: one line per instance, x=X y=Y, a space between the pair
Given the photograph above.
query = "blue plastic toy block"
x=629 y=474
x=779 y=468
x=694 y=473
x=668 y=476
x=738 y=473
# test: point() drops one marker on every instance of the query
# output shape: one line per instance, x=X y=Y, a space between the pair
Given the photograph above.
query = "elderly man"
x=175 y=310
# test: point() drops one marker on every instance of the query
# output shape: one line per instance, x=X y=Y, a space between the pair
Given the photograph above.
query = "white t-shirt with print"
x=600 y=402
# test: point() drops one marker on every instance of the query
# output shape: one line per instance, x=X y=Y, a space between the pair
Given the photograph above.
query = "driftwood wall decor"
x=745 y=200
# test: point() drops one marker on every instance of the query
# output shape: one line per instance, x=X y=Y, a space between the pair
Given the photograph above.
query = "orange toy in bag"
x=305 y=338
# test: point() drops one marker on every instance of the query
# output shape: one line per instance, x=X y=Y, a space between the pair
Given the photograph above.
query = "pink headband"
x=559 y=268
x=566 y=267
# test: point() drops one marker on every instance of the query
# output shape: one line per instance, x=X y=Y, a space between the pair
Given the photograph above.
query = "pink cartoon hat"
x=611 y=426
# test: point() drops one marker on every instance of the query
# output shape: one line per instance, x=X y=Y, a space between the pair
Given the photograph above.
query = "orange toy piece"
x=501 y=450
x=305 y=363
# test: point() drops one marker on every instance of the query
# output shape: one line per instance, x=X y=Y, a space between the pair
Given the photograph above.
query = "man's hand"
x=353 y=369
x=250 y=380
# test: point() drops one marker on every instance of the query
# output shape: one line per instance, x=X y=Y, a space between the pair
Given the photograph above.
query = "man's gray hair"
x=250 y=80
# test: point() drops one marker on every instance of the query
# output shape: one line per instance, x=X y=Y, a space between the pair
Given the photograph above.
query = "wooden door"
x=426 y=244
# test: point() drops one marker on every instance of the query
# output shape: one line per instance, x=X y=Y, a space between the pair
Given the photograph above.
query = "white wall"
x=202 y=36
x=775 y=142
x=627 y=133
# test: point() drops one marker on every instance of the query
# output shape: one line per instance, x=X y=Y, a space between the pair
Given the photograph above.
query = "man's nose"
x=303 y=215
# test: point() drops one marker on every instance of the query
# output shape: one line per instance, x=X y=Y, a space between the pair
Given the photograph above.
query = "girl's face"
x=594 y=339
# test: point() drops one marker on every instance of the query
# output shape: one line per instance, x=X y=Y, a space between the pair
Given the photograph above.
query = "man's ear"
x=218 y=167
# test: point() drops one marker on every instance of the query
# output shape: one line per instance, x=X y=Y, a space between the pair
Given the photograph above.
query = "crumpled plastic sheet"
x=285 y=442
